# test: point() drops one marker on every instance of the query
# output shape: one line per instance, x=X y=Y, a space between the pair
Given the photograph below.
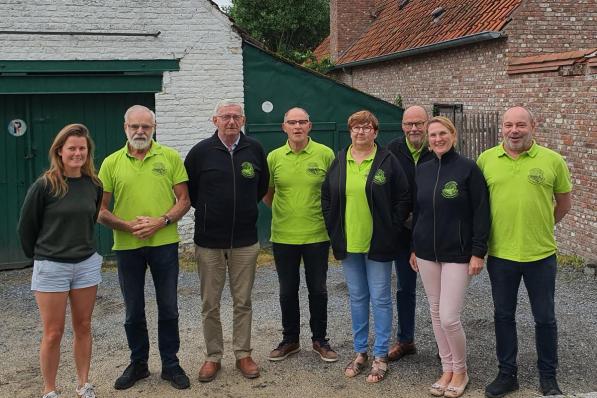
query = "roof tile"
x=413 y=26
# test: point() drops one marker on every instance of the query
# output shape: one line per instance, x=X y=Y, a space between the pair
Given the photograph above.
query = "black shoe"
x=503 y=384
x=549 y=386
x=177 y=377
x=135 y=371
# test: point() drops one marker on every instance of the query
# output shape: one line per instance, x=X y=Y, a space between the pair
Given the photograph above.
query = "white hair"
x=138 y=108
x=228 y=102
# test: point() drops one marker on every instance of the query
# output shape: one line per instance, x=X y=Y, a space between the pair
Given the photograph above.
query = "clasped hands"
x=143 y=227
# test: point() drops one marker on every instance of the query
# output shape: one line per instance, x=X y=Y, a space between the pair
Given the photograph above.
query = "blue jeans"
x=288 y=261
x=369 y=281
x=539 y=279
x=406 y=297
x=163 y=265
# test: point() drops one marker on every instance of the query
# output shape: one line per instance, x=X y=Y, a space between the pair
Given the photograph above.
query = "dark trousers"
x=315 y=259
x=406 y=297
x=539 y=279
x=163 y=265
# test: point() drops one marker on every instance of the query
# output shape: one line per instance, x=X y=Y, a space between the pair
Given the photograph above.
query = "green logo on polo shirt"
x=379 y=178
x=450 y=190
x=159 y=169
x=536 y=176
x=314 y=170
x=247 y=170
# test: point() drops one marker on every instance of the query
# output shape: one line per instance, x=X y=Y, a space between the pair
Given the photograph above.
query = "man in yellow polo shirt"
x=297 y=170
x=529 y=188
x=148 y=182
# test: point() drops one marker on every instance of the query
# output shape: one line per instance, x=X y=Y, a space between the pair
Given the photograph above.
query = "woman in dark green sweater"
x=56 y=229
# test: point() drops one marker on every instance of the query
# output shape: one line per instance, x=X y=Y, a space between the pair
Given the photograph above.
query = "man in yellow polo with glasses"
x=297 y=170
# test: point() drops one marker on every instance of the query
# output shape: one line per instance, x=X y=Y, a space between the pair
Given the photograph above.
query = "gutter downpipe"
x=461 y=41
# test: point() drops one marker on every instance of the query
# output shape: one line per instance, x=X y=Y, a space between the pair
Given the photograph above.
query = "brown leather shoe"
x=208 y=371
x=248 y=367
x=398 y=350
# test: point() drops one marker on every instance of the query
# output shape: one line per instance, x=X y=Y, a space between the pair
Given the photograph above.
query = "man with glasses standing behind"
x=228 y=176
x=148 y=183
x=297 y=170
x=411 y=151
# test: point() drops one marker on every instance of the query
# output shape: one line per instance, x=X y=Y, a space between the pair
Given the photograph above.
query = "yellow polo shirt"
x=521 y=194
x=297 y=179
x=143 y=188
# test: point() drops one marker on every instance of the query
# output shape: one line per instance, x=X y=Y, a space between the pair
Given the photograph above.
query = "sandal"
x=378 y=371
x=437 y=390
x=455 y=392
x=356 y=367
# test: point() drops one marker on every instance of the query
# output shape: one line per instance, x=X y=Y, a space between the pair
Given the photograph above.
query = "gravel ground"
x=304 y=374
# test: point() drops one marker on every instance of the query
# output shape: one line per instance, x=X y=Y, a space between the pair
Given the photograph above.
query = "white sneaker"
x=51 y=394
x=86 y=391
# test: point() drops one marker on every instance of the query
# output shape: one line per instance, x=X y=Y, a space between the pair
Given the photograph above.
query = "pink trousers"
x=445 y=285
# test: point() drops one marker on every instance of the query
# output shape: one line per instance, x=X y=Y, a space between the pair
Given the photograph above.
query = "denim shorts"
x=52 y=276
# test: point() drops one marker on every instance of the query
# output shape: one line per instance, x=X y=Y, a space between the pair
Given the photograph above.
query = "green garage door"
x=24 y=156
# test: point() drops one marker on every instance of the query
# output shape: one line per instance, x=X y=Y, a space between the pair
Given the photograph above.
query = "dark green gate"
x=47 y=95
x=25 y=157
x=273 y=85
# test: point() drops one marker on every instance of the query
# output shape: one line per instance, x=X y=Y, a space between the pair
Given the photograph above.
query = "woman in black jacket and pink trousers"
x=451 y=227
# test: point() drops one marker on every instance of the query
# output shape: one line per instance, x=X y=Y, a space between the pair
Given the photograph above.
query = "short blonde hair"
x=447 y=123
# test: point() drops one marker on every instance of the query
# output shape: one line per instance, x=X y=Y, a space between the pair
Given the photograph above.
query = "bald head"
x=417 y=111
x=518 y=129
x=520 y=111
x=414 y=123
x=296 y=111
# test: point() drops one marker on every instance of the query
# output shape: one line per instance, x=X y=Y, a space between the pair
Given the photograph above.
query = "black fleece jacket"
x=399 y=149
x=388 y=198
x=225 y=189
x=451 y=217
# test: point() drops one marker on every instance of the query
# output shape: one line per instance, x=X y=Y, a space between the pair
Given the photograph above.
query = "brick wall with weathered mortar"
x=193 y=31
x=476 y=77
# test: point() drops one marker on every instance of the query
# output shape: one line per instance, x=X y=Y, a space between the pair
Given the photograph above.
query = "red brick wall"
x=475 y=76
x=540 y=26
x=348 y=20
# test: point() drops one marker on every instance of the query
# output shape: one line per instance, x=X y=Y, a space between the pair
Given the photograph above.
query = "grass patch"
x=571 y=261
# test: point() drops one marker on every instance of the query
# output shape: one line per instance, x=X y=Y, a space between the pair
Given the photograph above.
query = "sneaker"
x=177 y=377
x=51 y=394
x=322 y=347
x=283 y=350
x=549 y=386
x=86 y=391
x=134 y=372
x=503 y=384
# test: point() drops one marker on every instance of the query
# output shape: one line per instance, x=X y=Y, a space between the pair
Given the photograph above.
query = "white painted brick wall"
x=194 y=31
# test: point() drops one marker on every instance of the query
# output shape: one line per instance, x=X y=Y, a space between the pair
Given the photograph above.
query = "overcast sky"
x=223 y=3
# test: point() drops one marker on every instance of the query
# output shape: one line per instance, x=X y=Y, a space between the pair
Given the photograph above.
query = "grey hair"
x=228 y=102
x=138 y=108
x=296 y=107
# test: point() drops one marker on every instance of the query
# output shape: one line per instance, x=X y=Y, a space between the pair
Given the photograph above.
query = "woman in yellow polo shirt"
x=365 y=201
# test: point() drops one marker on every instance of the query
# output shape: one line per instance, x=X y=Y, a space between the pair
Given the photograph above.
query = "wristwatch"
x=167 y=220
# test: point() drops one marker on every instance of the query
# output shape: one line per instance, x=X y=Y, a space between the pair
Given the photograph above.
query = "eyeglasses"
x=228 y=117
x=408 y=125
x=144 y=127
x=295 y=122
x=364 y=129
